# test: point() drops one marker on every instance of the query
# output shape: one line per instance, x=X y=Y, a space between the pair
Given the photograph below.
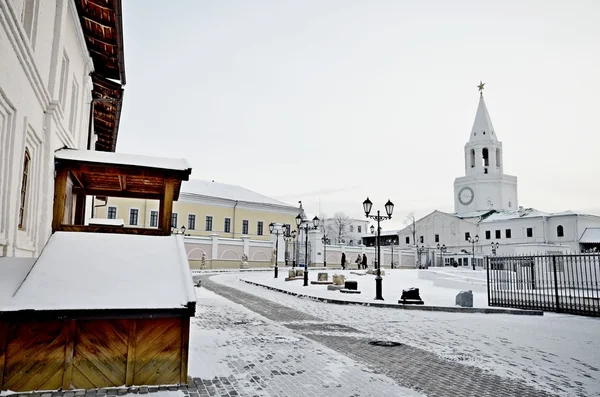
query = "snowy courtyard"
x=257 y=341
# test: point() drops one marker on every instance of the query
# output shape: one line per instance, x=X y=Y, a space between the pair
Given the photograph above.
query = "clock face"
x=466 y=195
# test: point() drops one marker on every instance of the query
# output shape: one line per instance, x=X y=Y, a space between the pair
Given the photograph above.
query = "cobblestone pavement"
x=409 y=366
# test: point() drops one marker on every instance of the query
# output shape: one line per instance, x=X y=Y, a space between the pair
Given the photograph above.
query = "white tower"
x=484 y=186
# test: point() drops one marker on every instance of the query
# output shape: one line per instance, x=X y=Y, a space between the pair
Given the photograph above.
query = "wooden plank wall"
x=86 y=354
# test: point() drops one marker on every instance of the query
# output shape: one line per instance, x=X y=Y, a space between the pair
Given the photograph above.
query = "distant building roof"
x=227 y=192
x=591 y=235
x=95 y=271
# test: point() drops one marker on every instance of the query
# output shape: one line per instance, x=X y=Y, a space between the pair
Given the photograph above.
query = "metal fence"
x=559 y=282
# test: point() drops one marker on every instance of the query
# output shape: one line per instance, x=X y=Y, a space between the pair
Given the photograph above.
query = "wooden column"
x=70 y=326
x=166 y=206
x=131 y=347
x=185 y=345
x=80 y=209
x=3 y=344
x=60 y=197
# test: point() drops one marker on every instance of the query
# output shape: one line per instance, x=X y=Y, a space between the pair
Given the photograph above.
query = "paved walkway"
x=408 y=366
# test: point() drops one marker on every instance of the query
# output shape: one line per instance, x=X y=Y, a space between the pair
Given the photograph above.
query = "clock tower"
x=484 y=186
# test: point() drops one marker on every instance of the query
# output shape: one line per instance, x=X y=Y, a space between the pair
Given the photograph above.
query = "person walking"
x=358 y=262
x=364 y=261
x=343 y=261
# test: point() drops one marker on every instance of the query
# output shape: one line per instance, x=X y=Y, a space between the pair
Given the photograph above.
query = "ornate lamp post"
x=174 y=230
x=389 y=208
x=304 y=224
x=277 y=233
x=325 y=240
x=474 y=241
x=392 y=241
x=291 y=238
x=442 y=252
x=494 y=248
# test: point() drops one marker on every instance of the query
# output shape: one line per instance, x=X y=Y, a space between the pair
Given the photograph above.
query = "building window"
x=192 y=222
x=437 y=238
x=259 y=228
x=112 y=213
x=244 y=227
x=421 y=239
x=498 y=234
x=485 y=157
x=407 y=240
x=174 y=219
x=559 y=231
x=529 y=232
x=133 y=216
x=24 y=182
x=498 y=157
x=29 y=19
x=488 y=234
x=208 y=224
x=153 y=218
x=227 y=226
x=472 y=158
x=359 y=228
x=467 y=235
x=508 y=233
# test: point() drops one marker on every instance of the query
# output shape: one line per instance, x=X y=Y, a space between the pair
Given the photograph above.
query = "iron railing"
x=559 y=282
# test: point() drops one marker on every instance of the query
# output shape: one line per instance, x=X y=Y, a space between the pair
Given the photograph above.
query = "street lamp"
x=305 y=225
x=389 y=208
x=325 y=240
x=473 y=241
x=181 y=231
x=392 y=241
x=277 y=233
x=494 y=248
x=291 y=237
x=442 y=252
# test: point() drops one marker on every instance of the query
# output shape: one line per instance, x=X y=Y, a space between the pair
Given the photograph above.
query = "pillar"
x=246 y=241
x=214 y=246
x=316 y=247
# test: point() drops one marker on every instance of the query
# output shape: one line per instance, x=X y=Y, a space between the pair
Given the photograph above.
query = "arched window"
x=498 y=157
x=559 y=231
x=25 y=179
x=485 y=156
x=472 y=158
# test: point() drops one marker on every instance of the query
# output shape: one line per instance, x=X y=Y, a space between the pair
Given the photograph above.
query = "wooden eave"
x=121 y=180
x=106 y=114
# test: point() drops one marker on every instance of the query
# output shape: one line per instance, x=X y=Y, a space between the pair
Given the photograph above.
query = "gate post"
x=557 y=297
x=487 y=267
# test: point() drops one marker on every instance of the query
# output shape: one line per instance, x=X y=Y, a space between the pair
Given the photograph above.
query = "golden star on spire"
x=480 y=86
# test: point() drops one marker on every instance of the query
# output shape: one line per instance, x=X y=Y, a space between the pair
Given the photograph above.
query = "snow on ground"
x=557 y=352
x=393 y=283
x=235 y=349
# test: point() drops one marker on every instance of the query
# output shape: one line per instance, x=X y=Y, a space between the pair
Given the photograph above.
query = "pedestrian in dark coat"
x=343 y=261
x=364 y=261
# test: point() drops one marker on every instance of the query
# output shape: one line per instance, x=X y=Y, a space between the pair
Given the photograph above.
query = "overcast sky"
x=334 y=100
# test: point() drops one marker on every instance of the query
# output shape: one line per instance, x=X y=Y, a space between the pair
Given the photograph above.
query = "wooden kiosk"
x=102 y=306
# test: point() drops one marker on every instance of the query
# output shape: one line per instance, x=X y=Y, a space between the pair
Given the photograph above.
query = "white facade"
x=486 y=206
x=484 y=186
x=352 y=234
x=45 y=91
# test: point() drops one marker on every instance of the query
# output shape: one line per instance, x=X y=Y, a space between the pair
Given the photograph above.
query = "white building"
x=486 y=205
x=345 y=231
x=47 y=82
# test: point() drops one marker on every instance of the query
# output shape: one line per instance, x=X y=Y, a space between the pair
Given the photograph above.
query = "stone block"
x=374 y=272
x=351 y=285
x=299 y=272
x=322 y=277
x=411 y=296
x=335 y=287
x=465 y=299
x=291 y=273
x=338 y=279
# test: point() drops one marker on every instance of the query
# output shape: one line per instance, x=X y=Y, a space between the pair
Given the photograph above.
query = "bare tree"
x=338 y=227
x=411 y=225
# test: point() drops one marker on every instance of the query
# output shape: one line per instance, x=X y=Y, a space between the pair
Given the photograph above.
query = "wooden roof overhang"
x=121 y=180
x=102 y=25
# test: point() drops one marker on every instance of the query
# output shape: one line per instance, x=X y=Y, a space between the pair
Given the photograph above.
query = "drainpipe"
x=236 y=203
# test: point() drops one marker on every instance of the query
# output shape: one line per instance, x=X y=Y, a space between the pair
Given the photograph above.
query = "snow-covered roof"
x=227 y=192
x=106 y=222
x=122 y=158
x=514 y=214
x=591 y=235
x=91 y=271
x=12 y=274
x=474 y=214
x=483 y=130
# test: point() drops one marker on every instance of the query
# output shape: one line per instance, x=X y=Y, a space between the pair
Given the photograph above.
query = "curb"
x=448 y=309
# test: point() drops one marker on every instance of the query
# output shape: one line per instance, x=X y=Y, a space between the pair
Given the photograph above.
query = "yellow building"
x=206 y=208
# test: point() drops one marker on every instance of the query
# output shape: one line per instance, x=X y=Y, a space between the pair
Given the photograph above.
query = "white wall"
x=31 y=115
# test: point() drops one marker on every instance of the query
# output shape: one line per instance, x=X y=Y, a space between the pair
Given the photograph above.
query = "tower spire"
x=480 y=87
x=482 y=130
